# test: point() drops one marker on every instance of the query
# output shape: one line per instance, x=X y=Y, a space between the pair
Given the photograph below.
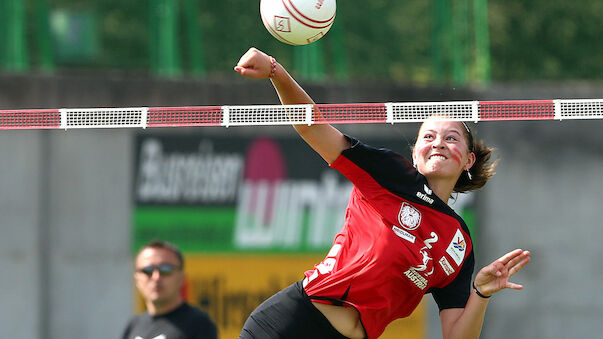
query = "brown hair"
x=166 y=246
x=481 y=171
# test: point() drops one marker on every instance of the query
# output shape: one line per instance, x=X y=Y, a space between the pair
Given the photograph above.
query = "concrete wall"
x=65 y=205
x=65 y=246
x=546 y=198
x=88 y=233
x=21 y=245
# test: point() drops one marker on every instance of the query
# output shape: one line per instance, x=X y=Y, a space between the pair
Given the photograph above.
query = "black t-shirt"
x=185 y=322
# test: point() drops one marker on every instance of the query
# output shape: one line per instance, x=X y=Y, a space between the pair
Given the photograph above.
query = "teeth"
x=437 y=157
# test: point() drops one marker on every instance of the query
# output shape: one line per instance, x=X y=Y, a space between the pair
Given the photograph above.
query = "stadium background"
x=73 y=206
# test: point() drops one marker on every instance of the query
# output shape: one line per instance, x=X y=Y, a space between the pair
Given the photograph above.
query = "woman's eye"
x=428 y=136
x=451 y=138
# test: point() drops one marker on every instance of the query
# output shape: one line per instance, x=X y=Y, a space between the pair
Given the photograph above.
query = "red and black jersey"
x=399 y=241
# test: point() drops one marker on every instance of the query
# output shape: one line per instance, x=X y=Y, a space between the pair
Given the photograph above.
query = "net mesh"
x=517 y=110
x=184 y=116
x=266 y=115
x=30 y=119
x=350 y=113
x=581 y=109
x=461 y=110
x=301 y=114
x=103 y=117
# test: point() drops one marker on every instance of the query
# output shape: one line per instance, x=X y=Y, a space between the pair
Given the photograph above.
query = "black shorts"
x=289 y=314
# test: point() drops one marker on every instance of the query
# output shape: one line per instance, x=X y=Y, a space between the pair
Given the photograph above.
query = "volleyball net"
x=143 y=117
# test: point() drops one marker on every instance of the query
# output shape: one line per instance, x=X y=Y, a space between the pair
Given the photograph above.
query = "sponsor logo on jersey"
x=416 y=278
x=409 y=217
x=457 y=248
x=403 y=234
x=448 y=269
x=425 y=197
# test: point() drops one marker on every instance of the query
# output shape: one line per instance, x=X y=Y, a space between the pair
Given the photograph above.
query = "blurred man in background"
x=159 y=278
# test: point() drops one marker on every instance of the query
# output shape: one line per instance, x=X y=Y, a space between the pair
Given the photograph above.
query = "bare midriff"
x=346 y=320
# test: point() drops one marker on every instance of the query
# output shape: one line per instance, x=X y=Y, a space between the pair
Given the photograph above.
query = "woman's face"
x=442 y=150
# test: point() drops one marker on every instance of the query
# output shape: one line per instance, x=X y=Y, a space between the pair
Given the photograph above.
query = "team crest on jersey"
x=457 y=248
x=409 y=217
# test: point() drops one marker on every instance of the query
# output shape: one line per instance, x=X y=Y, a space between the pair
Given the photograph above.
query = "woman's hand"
x=495 y=277
x=254 y=64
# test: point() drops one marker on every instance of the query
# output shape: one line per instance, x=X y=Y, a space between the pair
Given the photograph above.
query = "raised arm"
x=325 y=139
x=467 y=322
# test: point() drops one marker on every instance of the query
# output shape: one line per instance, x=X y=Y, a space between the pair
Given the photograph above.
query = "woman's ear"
x=470 y=161
x=414 y=160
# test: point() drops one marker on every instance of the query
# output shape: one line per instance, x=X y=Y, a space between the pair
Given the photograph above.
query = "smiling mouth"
x=437 y=157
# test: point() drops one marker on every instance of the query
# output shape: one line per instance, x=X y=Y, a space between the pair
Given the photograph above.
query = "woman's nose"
x=437 y=143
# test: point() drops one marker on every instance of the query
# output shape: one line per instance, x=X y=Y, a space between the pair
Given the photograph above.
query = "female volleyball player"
x=400 y=238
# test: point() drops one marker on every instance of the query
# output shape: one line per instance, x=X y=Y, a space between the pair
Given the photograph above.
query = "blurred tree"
x=546 y=39
x=165 y=47
x=377 y=40
x=194 y=38
x=123 y=28
x=483 y=65
x=13 y=43
x=43 y=44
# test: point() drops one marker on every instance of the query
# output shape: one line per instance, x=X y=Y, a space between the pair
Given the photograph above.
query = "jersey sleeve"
x=388 y=169
x=456 y=294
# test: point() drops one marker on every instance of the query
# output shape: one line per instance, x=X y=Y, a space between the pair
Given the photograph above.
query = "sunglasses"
x=164 y=269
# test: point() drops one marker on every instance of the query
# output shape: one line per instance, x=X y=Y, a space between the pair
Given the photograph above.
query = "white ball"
x=298 y=22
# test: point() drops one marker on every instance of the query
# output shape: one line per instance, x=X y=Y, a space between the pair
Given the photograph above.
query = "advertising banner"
x=236 y=194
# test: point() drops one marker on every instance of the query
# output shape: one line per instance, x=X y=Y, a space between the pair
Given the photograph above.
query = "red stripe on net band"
x=350 y=113
x=30 y=119
x=184 y=116
x=517 y=110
